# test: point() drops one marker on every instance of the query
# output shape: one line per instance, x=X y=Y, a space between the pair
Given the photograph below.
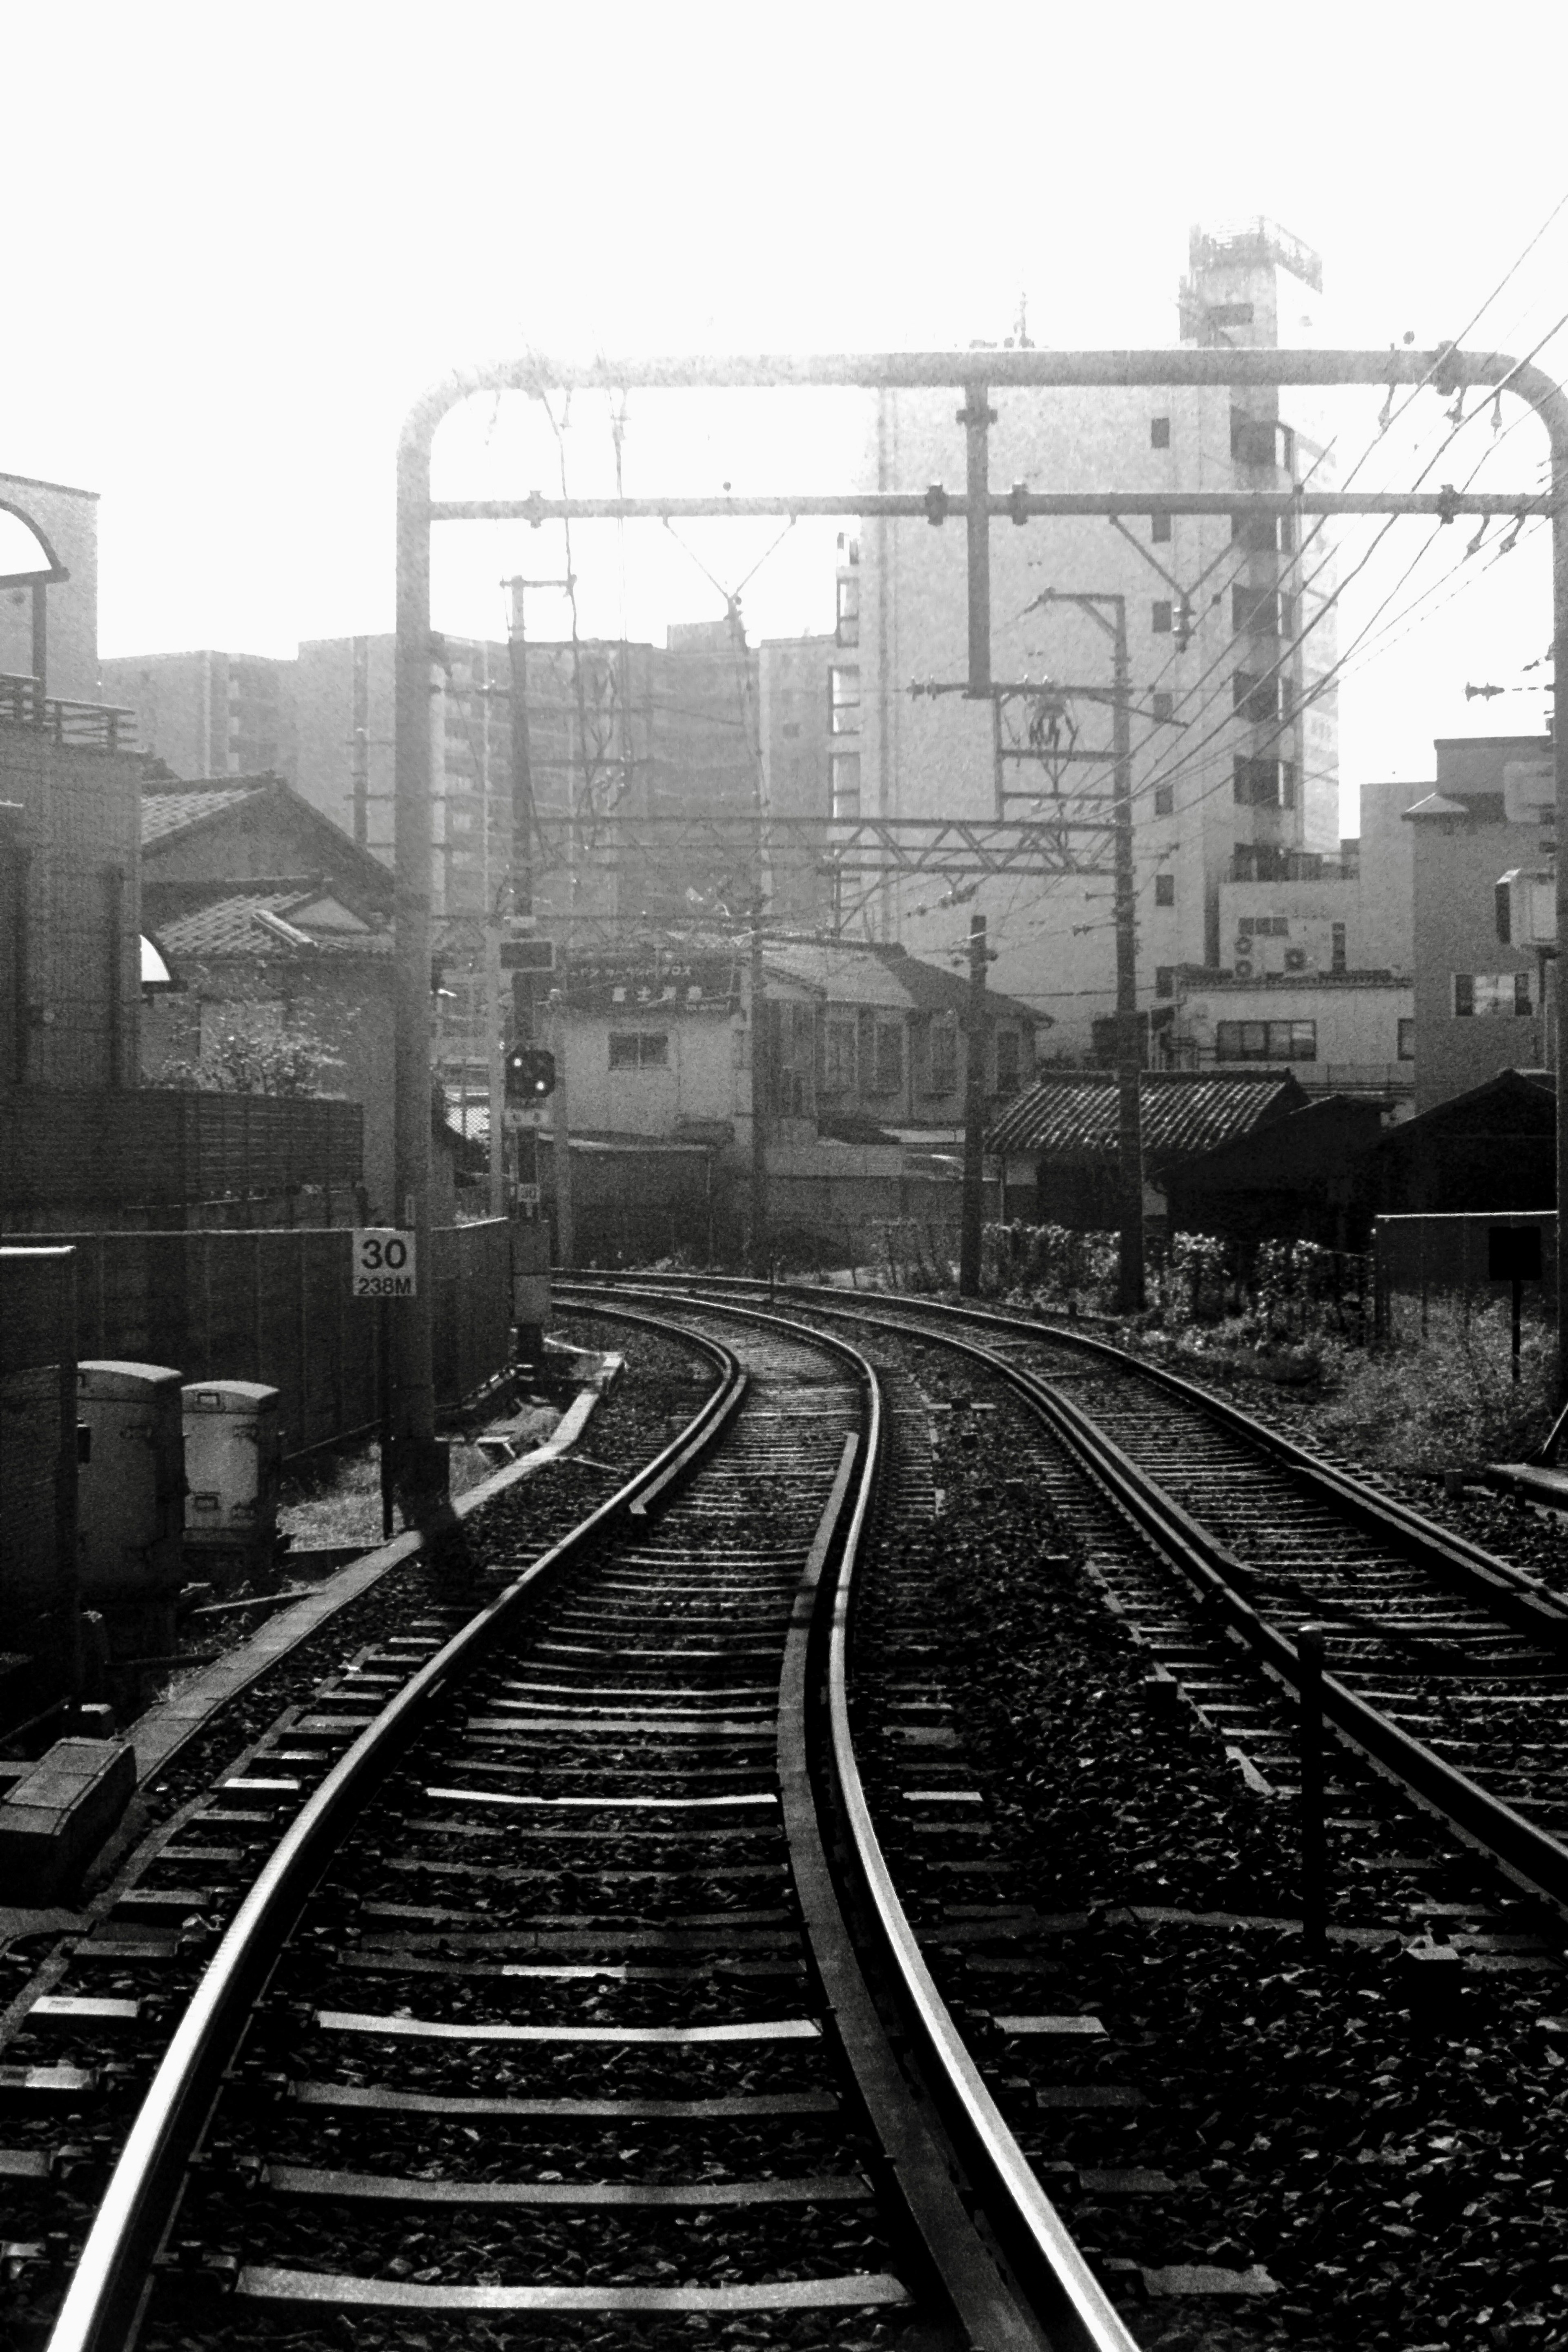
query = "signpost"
x=1513 y=1256
x=384 y=1266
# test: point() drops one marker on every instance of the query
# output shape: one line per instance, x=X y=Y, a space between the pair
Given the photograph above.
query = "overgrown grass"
x=336 y=1499
x=1448 y=1402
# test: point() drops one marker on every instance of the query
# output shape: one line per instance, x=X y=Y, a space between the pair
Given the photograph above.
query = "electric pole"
x=976 y=1026
x=1129 y=1056
x=759 y=1171
x=1129 y=1111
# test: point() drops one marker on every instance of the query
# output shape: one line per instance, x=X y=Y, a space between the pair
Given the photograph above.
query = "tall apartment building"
x=344 y=701
x=1229 y=635
x=613 y=728
x=209 y=714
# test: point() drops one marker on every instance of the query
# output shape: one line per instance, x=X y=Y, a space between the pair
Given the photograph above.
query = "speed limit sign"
x=384 y=1264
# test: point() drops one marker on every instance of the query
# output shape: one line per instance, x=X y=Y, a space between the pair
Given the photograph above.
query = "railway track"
x=1446 y=1667
x=573 y=1985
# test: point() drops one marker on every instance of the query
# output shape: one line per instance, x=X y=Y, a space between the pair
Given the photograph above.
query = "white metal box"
x=131 y=1489
x=233 y=1458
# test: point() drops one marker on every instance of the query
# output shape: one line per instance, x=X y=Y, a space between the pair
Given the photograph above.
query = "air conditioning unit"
x=1527 y=908
x=1295 y=959
x=1528 y=790
x=1242 y=967
x=1244 y=945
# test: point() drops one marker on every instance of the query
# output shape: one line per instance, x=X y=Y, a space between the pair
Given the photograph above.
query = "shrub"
x=1450 y=1402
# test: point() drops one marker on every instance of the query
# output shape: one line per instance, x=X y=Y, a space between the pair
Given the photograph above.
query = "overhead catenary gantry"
x=974 y=376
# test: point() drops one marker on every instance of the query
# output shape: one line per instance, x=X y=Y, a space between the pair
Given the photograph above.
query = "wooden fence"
x=274 y=1306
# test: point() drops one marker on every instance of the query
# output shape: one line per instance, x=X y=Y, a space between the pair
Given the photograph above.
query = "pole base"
x=424 y=1483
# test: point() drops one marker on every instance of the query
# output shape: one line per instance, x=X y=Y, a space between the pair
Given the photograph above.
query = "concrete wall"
x=69 y=521
x=69 y=913
x=38 y=1480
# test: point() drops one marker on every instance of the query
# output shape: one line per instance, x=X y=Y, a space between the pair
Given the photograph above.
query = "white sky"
x=245 y=237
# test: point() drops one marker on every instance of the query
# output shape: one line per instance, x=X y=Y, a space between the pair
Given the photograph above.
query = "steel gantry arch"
x=976 y=375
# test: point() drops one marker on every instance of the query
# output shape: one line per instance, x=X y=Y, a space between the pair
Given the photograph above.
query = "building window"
x=1337 y=957
x=1482 y=993
x=1160 y=525
x=945 y=1055
x=1265 y=1041
x=1009 y=1061
x=849 y=627
x=845 y=784
x=1164 y=702
x=1264 y=783
x=640 y=1049
x=1164 y=800
x=1406 y=1038
x=844 y=698
x=1158 y=432
x=1164 y=980
x=887 y=1060
x=1164 y=889
x=1254 y=698
x=1161 y=622
x=839 y=1057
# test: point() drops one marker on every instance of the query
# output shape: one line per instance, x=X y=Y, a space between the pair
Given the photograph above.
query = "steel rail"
x=102 y=2304
x=1511 y=1591
x=1073 y=2306
x=1528 y=1854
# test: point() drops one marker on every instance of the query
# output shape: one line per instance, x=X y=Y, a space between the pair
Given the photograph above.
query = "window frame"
x=621 y=1062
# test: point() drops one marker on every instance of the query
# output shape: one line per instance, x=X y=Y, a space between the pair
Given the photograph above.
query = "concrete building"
x=1230 y=638
x=51 y=627
x=1315 y=970
x=794 y=677
x=344 y=694
x=1478 y=1001
x=209 y=714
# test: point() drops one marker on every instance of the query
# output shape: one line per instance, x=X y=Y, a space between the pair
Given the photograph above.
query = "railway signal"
x=529 y=1075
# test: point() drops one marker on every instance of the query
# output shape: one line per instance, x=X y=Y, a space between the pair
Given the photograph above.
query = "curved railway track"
x=1446 y=1667
x=578 y=1984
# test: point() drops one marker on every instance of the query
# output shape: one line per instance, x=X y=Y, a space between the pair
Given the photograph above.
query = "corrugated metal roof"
x=163 y=814
x=1071 y=1114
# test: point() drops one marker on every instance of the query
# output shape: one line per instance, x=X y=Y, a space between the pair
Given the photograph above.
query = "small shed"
x=1291 y=1178
x=1064 y=1133
x=1492 y=1148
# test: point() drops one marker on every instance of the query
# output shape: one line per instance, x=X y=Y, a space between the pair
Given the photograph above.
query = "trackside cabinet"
x=131 y=1496
x=233 y=1461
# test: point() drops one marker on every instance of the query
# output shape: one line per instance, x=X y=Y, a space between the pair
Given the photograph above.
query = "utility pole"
x=495 y=1056
x=759 y=1171
x=422 y=1473
x=976 y=1026
x=523 y=828
x=359 y=755
x=1129 y=1059
x=1129 y=1110
x=566 y=1237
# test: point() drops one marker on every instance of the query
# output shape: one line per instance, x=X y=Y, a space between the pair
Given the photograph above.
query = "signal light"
x=530 y=1073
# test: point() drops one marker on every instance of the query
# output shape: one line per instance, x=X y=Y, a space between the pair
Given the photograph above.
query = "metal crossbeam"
x=1028 y=506
x=958 y=848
